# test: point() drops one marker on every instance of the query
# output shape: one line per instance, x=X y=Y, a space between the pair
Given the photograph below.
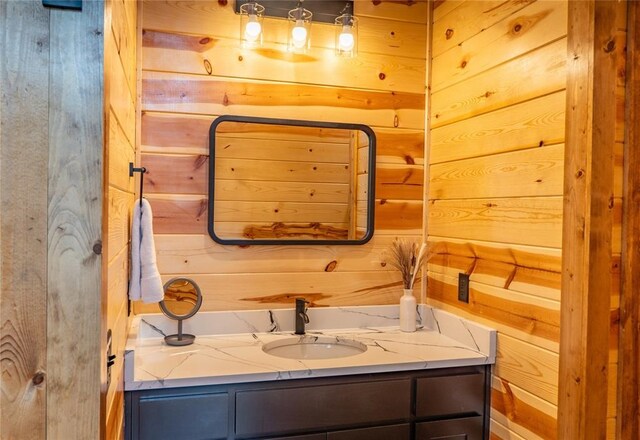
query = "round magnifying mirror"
x=182 y=299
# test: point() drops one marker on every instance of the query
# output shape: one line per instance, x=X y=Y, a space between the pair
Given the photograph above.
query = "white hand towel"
x=145 y=283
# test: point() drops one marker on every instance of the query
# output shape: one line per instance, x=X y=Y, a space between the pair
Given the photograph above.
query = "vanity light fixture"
x=299 y=29
x=346 y=33
x=338 y=13
x=251 y=24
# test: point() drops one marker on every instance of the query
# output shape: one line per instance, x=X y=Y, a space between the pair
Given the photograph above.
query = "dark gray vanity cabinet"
x=417 y=405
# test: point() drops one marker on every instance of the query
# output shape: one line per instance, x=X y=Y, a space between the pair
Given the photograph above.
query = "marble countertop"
x=228 y=345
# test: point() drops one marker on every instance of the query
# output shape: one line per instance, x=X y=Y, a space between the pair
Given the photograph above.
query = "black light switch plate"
x=63 y=4
x=463 y=287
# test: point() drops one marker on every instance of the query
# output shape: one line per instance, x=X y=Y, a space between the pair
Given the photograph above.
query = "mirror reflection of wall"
x=180 y=297
x=275 y=181
x=182 y=300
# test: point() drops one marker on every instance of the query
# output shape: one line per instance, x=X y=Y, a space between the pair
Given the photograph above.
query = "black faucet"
x=301 y=315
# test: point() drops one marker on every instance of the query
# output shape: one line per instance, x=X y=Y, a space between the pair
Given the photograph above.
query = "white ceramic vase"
x=408 y=311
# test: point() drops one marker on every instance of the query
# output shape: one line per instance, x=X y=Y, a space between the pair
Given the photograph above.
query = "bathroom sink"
x=314 y=347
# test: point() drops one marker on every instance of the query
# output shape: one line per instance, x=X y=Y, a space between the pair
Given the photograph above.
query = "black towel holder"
x=140 y=170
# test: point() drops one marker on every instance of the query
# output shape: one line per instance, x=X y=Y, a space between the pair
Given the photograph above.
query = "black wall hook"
x=140 y=170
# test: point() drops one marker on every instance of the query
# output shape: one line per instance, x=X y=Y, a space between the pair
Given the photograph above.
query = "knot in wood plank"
x=610 y=45
x=38 y=378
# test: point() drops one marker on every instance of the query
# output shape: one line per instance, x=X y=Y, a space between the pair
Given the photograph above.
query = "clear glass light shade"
x=299 y=30
x=346 y=35
x=251 y=24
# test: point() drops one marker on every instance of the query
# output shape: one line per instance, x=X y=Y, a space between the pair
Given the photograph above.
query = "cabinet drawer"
x=200 y=416
x=394 y=432
x=266 y=412
x=468 y=428
x=450 y=395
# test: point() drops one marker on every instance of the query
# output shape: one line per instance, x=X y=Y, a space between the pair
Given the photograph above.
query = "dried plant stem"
x=408 y=259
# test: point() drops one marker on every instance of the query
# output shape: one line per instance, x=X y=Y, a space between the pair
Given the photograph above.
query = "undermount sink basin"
x=314 y=347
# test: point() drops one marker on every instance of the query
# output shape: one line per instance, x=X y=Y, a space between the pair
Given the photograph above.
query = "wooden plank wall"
x=120 y=122
x=194 y=71
x=628 y=420
x=495 y=197
x=498 y=78
x=24 y=159
x=619 y=184
x=51 y=111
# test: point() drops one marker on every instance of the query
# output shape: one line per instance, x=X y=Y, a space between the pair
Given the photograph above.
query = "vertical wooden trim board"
x=24 y=80
x=75 y=222
x=588 y=204
x=628 y=422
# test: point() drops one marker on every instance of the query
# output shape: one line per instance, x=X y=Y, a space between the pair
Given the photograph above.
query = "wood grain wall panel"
x=399 y=182
x=526 y=411
x=123 y=28
x=524 y=335
x=120 y=150
x=175 y=133
x=194 y=254
x=469 y=19
x=533 y=172
x=412 y=12
x=524 y=220
x=376 y=33
x=24 y=75
x=189 y=134
x=75 y=194
x=248 y=291
x=539 y=73
x=207 y=95
x=179 y=214
x=533 y=123
x=186 y=214
x=168 y=52
x=628 y=405
x=118 y=284
x=399 y=146
x=546 y=259
x=184 y=90
x=532 y=369
x=508 y=308
x=534 y=26
x=118 y=230
x=495 y=192
x=398 y=215
x=120 y=97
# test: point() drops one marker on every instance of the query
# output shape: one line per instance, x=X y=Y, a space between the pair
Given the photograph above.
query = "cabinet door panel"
x=278 y=411
x=450 y=395
x=468 y=428
x=301 y=437
x=394 y=432
x=203 y=416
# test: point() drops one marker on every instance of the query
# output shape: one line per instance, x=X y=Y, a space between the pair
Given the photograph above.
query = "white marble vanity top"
x=228 y=345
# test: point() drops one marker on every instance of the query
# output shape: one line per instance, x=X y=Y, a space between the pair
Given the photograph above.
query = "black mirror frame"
x=299 y=123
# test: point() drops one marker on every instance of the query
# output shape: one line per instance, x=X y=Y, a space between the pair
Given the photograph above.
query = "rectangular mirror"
x=282 y=181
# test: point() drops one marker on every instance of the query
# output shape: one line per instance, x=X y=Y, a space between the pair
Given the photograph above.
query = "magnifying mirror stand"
x=179 y=338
